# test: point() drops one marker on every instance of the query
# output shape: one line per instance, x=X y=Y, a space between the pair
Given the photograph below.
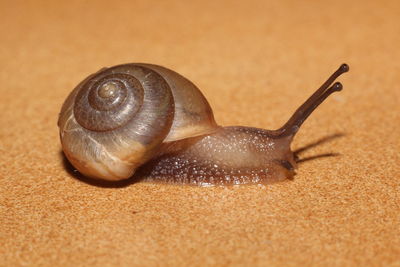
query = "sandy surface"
x=255 y=61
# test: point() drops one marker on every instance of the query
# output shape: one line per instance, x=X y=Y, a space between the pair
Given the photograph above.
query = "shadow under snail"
x=122 y=117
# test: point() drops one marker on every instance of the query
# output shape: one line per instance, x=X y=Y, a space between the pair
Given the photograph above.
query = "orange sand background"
x=256 y=62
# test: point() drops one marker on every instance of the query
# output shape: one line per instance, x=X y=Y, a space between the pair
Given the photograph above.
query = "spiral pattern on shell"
x=109 y=102
x=114 y=119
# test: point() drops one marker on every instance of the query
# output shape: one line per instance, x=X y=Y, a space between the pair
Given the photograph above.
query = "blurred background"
x=256 y=62
x=220 y=45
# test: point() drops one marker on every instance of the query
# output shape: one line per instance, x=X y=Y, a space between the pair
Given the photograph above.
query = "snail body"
x=126 y=116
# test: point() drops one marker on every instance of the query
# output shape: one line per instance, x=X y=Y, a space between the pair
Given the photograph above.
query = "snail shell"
x=123 y=117
x=115 y=119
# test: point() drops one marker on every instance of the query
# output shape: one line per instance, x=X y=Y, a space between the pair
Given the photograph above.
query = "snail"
x=125 y=116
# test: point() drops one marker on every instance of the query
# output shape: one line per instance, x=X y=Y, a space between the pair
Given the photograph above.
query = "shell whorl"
x=109 y=102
